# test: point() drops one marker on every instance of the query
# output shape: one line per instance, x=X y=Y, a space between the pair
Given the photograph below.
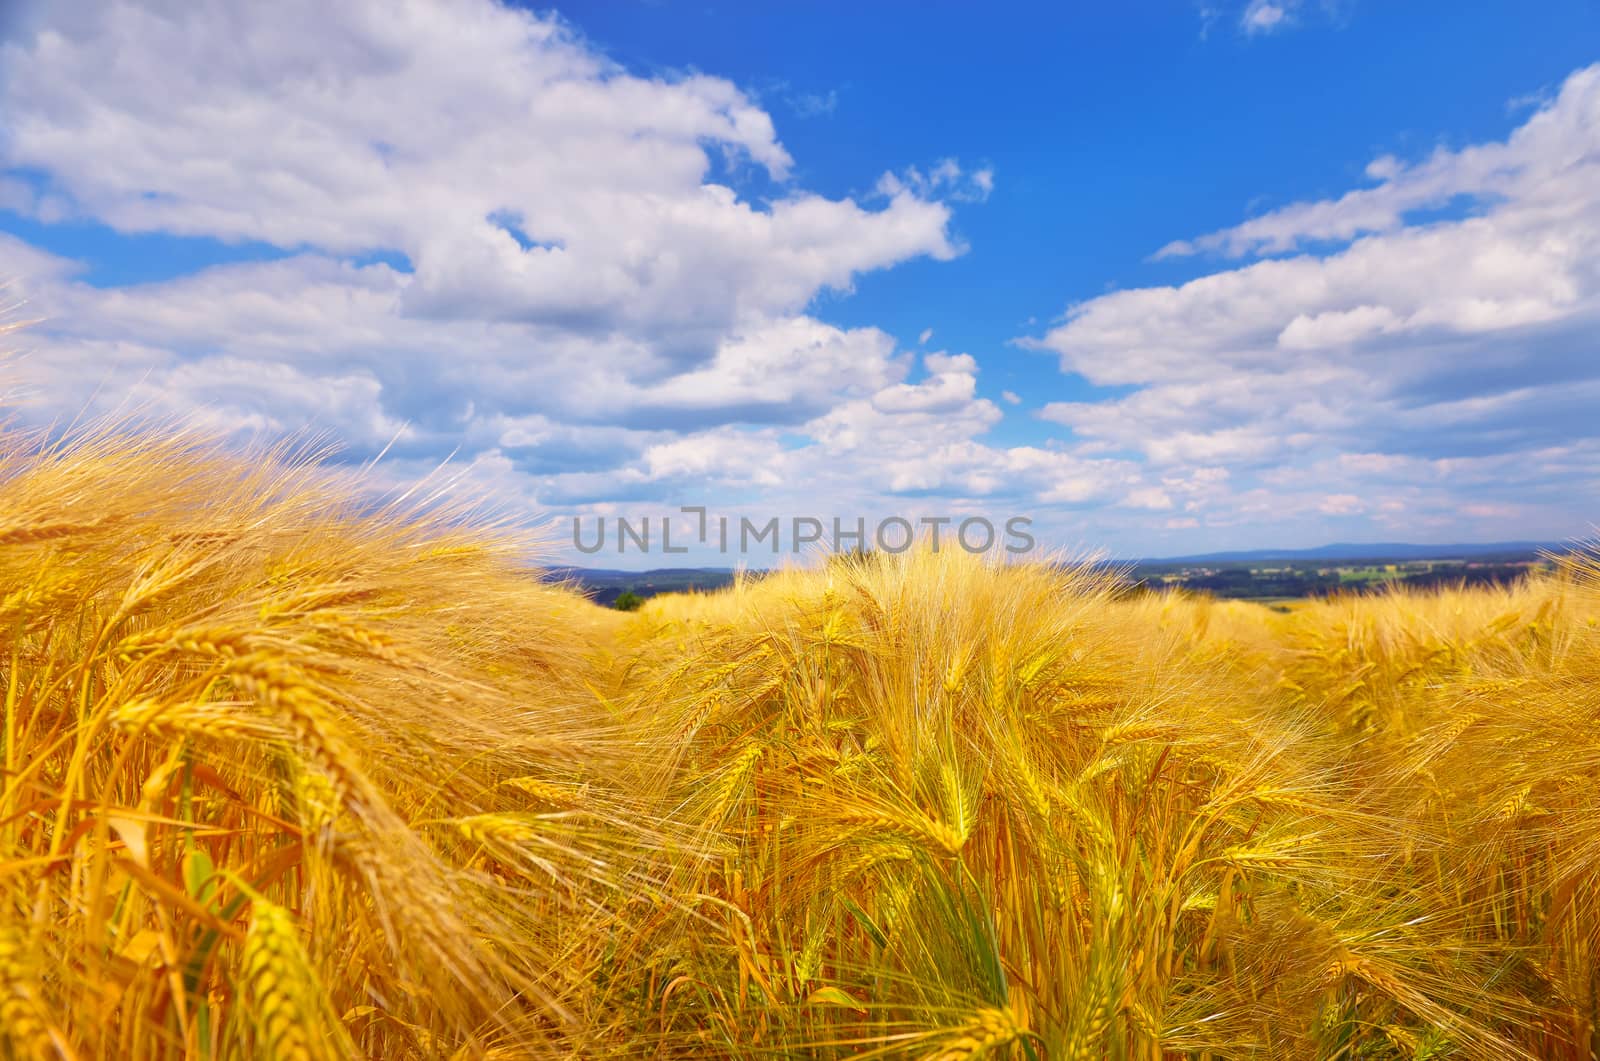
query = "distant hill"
x=605 y=585
x=607 y=574
x=1391 y=551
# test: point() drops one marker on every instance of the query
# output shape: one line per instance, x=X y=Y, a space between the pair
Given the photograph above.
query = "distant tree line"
x=1243 y=582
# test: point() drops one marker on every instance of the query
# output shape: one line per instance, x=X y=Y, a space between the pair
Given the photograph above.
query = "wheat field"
x=288 y=773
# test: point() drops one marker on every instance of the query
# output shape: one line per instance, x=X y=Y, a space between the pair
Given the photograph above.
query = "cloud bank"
x=1377 y=358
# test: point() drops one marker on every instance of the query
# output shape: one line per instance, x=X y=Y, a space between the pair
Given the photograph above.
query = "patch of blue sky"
x=108 y=258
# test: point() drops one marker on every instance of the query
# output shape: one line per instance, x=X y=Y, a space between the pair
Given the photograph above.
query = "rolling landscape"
x=1264 y=575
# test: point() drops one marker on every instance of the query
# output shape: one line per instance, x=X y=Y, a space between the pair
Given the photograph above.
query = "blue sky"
x=1165 y=278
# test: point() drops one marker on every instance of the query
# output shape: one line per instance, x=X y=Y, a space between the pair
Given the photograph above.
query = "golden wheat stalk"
x=989 y=1030
x=25 y=1030
x=216 y=720
x=286 y=999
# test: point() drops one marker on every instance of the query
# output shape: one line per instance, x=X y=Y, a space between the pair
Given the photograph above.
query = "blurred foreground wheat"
x=289 y=774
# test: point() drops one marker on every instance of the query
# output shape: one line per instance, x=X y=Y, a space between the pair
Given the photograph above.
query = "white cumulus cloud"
x=1372 y=332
